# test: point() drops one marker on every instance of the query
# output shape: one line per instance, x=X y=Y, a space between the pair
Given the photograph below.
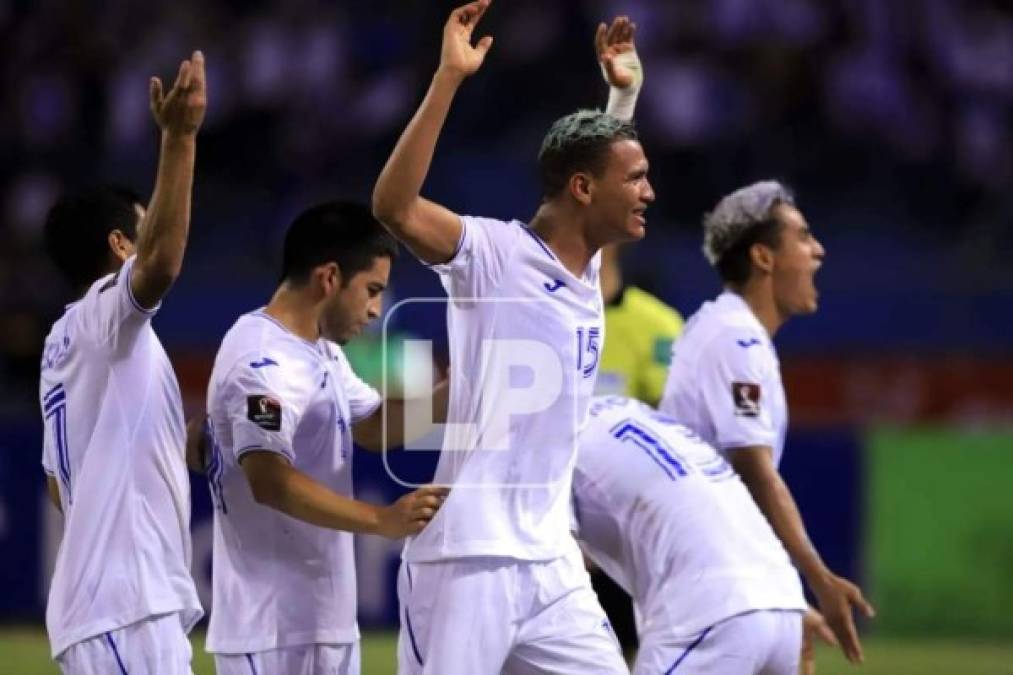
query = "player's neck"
x=294 y=311
x=761 y=301
x=568 y=243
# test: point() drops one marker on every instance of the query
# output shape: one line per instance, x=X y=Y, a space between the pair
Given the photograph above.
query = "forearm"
x=400 y=182
x=299 y=496
x=162 y=239
x=771 y=494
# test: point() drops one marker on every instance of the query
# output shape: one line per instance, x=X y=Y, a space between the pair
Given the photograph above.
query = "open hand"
x=458 y=55
x=838 y=598
x=814 y=627
x=612 y=43
x=181 y=111
x=412 y=512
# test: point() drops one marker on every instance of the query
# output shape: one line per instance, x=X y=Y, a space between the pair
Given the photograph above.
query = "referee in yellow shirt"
x=639 y=330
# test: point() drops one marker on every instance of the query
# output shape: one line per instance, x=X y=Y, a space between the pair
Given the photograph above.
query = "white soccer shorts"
x=501 y=615
x=155 y=646
x=765 y=642
x=313 y=659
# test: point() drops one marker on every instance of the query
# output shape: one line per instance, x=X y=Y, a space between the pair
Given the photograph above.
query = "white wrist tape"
x=622 y=102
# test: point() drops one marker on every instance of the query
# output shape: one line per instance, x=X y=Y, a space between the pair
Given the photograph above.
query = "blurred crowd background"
x=891 y=120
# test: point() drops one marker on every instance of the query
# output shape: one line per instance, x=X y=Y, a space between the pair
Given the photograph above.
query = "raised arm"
x=429 y=230
x=163 y=233
x=836 y=596
x=620 y=65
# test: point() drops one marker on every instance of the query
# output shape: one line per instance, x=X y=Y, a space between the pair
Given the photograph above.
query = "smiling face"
x=355 y=302
x=794 y=263
x=620 y=195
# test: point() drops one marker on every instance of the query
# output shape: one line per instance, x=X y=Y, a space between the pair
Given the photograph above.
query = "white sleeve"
x=363 y=399
x=48 y=449
x=109 y=313
x=482 y=255
x=736 y=384
x=264 y=406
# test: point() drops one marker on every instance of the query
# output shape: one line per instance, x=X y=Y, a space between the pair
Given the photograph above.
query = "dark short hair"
x=579 y=142
x=735 y=264
x=77 y=227
x=343 y=232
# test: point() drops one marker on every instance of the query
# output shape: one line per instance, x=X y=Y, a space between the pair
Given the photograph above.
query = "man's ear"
x=581 y=186
x=120 y=245
x=762 y=257
x=328 y=277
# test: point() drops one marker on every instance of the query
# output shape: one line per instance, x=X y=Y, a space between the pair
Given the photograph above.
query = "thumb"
x=155 y=93
x=484 y=44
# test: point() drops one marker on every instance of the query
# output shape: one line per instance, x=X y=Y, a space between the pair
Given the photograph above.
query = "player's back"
x=664 y=515
x=114 y=441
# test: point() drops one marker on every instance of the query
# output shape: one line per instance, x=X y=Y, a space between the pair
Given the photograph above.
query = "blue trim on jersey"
x=411 y=636
x=630 y=430
x=688 y=650
x=257 y=447
x=216 y=467
x=58 y=413
x=116 y=653
x=538 y=240
x=57 y=397
x=253 y=668
x=57 y=388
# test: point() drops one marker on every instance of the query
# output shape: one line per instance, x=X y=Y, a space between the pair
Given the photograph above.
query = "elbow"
x=391 y=213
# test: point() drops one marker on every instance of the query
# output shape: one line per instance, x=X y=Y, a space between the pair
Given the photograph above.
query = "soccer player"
x=725 y=380
x=122 y=598
x=283 y=408
x=666 y=517
x=496 y=582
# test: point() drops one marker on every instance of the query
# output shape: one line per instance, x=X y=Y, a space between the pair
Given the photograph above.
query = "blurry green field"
x=25 y=652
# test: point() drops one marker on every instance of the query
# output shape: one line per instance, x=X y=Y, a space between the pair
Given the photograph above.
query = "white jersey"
x=725 y=380
x=667 y=518
x=114 y=440
x=278 y=581
x=525 y=336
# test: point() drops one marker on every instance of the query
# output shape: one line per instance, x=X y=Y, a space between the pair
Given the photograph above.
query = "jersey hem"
x=426 y=554
x=248 y=645
x=189 y=615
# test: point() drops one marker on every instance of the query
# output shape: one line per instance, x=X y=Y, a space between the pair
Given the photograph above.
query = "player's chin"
x=636 y=228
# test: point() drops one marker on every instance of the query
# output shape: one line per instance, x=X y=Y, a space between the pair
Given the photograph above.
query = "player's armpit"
x=53 y=489
x=196 y=444
x=430 y=231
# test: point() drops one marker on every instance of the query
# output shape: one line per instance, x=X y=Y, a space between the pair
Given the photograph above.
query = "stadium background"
x=891 y=120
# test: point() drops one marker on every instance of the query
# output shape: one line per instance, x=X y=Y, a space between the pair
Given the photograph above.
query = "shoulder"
x=256 y=350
